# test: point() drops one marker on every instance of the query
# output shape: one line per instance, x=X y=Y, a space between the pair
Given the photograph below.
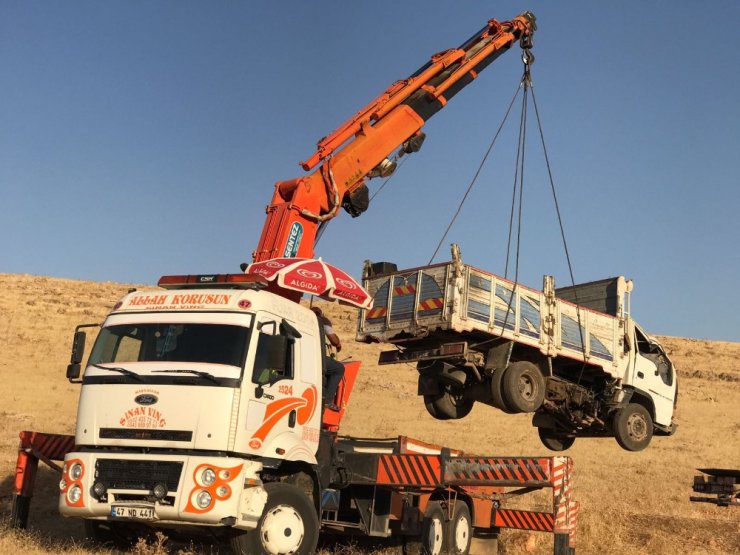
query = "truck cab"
x=200 y=387
x=653 y=375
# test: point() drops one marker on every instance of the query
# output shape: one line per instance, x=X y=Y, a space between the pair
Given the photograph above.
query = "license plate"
x=141 y=513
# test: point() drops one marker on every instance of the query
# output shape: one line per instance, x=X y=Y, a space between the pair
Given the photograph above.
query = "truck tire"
x=553 y=441
x=432 y=408
x=289 y=524
x=633 y=427
x=451 y=404
x=497 y=392
x=523 y=386
x=434 y=530
x=433 y=537
x=460 y=530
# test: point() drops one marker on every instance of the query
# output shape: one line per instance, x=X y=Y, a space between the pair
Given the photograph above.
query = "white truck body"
x=422 y=309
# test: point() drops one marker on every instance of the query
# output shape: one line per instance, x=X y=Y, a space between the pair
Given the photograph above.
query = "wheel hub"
x=526 y=387
x=462 y=531
x=636 y=427
x=282 y=531
x=434 y=539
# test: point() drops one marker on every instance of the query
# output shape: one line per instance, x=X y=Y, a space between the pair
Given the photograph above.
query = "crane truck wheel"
x=633 y=427
x=450 y=404
x=553 y=441
x=523 y=386
x=460 y=530
x=433 y=539
x=497 y=391
x=289 y=524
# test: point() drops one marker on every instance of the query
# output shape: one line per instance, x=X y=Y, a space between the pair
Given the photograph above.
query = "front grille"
x=157 y=435
x=137 y=474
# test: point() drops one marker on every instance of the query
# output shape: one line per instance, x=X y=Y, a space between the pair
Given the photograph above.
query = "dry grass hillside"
x=630 y=502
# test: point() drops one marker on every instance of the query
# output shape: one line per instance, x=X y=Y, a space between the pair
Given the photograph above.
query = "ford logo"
x=146 y=399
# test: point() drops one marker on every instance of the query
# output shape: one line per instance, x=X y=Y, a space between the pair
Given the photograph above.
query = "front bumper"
x=93 y=485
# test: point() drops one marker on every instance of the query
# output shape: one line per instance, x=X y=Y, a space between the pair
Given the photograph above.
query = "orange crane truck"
x=201 y=403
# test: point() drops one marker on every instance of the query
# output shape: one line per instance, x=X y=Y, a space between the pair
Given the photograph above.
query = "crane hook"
x=527 y=57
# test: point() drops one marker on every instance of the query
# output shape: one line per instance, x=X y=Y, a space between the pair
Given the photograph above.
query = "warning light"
x=243 y=281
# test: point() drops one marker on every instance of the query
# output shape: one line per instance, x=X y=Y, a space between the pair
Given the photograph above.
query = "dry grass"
x=630 y=502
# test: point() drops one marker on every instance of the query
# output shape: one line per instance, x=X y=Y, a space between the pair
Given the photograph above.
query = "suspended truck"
x=201 y=405
x=573 y=356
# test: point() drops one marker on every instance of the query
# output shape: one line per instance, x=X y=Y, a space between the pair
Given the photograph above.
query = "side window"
x=274 y=358
x=643 y=345
x=653 y=352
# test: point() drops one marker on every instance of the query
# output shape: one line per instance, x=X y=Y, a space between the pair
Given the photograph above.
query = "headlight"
x=224 y=474
x=208 y=476
x=222 y=491
x=76 y=471
x=203 y=499
x=74 y=494
x=62 y=485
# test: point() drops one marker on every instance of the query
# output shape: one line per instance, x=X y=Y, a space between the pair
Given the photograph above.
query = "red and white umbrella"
x=313 y=276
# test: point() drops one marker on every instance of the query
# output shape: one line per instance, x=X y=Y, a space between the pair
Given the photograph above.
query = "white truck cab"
x=198 y=387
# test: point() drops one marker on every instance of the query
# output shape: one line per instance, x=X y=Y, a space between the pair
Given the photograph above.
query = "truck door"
x=285 y=407
x=654 y=374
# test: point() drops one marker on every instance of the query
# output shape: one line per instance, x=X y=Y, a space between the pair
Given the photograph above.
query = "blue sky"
x=144 y=138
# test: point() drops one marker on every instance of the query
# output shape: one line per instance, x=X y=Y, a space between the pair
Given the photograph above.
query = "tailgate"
x=406 y=301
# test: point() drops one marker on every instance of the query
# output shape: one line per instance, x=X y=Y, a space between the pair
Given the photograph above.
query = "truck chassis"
x=428 y=495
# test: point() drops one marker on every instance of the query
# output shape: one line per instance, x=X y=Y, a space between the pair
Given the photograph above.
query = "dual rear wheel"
x=520 y=387
x=440 y=536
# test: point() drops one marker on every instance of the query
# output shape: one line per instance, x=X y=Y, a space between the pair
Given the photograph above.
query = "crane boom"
x=359 y=149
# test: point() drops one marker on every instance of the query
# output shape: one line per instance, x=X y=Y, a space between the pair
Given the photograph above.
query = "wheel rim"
x=462 y=533
x=527 y=388
x=434 y=536
x=455 y=395
x=636 y=427
x=282 y=530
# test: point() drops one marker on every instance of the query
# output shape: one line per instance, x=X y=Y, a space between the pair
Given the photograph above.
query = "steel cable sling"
x=526 y=85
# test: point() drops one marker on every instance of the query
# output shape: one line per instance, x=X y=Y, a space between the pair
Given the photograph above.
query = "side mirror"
x=78 y=347
x=78 y=351
x=73 y=372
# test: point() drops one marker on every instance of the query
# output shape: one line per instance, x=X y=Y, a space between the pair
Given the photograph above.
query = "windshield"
x=171 y=342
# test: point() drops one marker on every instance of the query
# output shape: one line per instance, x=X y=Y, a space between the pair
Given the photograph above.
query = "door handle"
x=292 y=418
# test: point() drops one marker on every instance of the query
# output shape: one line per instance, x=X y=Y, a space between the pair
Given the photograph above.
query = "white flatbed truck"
x=583 y=370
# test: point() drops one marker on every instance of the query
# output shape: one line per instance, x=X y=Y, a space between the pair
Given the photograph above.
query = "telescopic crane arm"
x=359 y=149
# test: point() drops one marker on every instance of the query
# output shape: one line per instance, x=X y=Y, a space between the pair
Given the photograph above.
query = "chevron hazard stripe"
x=404 y=290
x=482 y=470
x=523 y=520
x=376 y=312
x=51 y=446
x=431 y=303
x=409 y=470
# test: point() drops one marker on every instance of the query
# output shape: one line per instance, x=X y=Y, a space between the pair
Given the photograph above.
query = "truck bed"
x=443 y=300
